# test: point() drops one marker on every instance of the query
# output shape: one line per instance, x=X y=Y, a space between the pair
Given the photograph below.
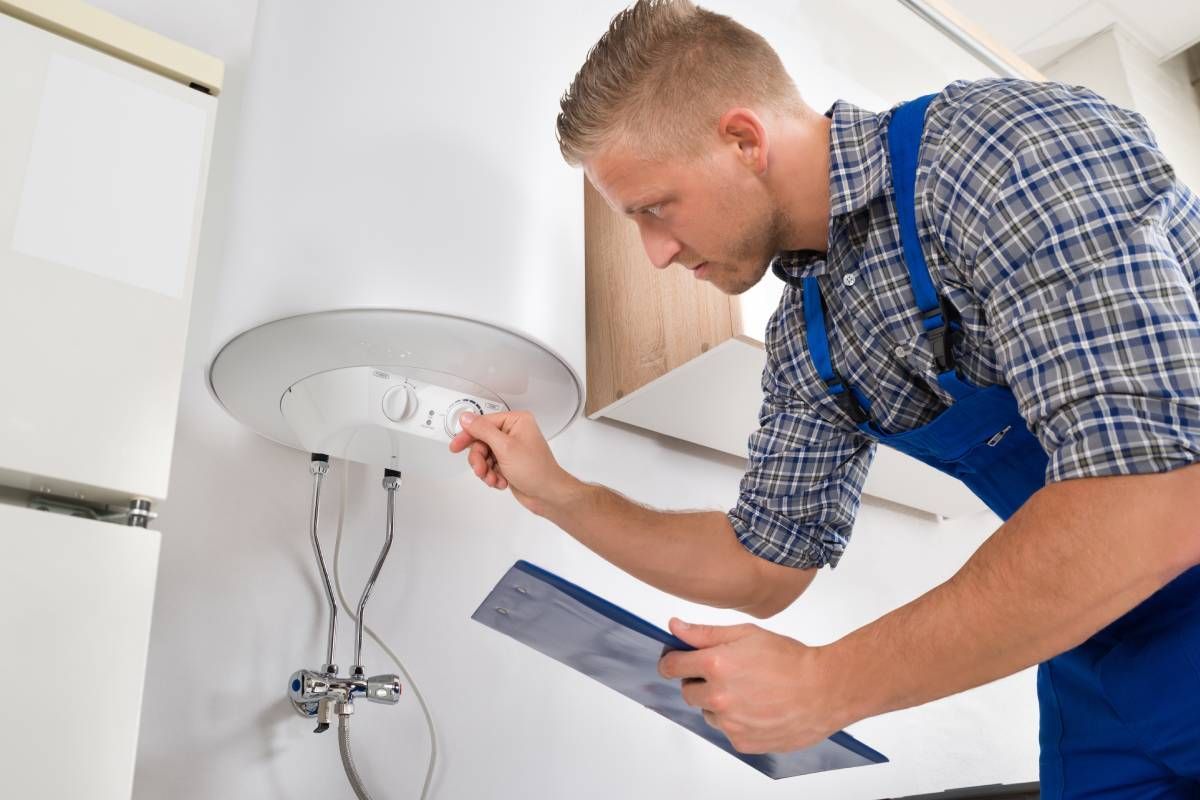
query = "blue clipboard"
x=607 y=643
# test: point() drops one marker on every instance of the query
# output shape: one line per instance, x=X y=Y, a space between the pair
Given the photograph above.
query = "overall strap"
x=904 y=144
x=849 y=399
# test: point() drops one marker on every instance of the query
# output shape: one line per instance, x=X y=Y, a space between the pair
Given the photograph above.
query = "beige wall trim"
x=79 y=22
x=973 y=39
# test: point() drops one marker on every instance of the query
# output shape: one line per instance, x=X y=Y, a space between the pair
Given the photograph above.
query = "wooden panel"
x=737 y=321
x=641 y=322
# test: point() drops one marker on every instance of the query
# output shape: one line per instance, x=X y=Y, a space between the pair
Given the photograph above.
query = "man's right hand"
x=508 y=451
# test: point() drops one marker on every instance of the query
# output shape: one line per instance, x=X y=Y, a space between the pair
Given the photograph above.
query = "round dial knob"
x=455 y=412
x=399 y=402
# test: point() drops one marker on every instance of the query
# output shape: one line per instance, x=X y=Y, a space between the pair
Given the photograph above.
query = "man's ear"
x=743 y=128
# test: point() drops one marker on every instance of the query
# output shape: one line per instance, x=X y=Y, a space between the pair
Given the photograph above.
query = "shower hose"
x=348 y=760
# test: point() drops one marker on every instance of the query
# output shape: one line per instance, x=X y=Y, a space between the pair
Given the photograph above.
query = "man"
x=1000 y=280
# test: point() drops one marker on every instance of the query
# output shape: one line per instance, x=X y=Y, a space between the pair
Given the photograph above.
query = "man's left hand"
x=767 y=693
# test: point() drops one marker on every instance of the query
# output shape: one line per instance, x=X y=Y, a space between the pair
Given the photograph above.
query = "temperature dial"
x=455 y=412
x=399 y=402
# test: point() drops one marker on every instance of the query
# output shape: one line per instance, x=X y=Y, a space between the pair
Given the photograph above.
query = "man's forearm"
x=690 y=554
x=1078 y=555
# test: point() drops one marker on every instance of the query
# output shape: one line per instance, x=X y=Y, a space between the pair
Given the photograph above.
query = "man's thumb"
x=709 y=635
x=482 y=428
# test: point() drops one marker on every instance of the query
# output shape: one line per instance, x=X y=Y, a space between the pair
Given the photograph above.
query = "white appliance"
x=401 y=249
x=104 y=153
x=394 y=259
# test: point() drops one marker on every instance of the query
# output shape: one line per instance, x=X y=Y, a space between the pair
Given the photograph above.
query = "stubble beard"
x=752 y=254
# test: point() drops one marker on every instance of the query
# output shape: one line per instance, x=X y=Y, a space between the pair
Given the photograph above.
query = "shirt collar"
x=858 y=173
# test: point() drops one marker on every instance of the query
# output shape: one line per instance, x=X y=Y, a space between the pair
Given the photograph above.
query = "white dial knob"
x=455 y=412
x=399 y=402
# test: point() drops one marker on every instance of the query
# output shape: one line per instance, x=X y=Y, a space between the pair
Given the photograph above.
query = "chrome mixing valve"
x=322 y=693
x=315 y=694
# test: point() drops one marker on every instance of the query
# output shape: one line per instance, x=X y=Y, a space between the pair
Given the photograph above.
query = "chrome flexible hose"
x=348 y=760
x=318 y=469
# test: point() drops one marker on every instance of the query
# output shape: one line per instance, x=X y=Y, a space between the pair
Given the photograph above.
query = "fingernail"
x=466 y=419
x=684 y=625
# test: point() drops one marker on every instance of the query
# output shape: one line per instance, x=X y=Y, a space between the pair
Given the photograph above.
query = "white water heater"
x=405 y=241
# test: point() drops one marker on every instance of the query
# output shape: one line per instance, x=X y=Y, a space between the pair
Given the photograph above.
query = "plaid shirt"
x=1053 y=223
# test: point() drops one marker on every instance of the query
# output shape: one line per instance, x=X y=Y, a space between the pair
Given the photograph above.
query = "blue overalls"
x=1120 y=713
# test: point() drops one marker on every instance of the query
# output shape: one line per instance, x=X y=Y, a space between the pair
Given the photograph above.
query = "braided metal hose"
x=348 y=760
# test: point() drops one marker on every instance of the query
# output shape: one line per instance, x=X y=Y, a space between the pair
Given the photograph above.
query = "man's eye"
x=654 y=211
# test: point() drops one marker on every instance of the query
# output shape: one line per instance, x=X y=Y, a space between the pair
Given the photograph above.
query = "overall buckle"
x=846 y=400
x=941 y=338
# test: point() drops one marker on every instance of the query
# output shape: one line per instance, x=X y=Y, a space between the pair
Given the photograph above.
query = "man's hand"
x=509 y=451
x=767 y=693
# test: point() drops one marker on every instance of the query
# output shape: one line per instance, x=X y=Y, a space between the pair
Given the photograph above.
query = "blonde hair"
x=662 y=75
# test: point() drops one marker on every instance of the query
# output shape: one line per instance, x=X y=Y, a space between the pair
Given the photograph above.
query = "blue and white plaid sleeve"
x=800 y=495
x=1087 y=262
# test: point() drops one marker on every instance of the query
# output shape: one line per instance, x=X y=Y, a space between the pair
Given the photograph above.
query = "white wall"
x=239 y=606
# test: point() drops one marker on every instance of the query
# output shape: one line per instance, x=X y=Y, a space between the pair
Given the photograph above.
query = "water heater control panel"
x=423 y=407
x=372 y=415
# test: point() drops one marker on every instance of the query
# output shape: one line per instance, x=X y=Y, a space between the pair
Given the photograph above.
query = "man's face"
x=711 y=212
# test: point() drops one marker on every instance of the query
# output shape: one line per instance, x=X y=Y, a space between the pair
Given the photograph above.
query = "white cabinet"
x=102 y=177
x=104 y=151
x=76 y=597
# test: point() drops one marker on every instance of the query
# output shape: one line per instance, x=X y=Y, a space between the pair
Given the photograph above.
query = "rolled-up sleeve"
x=1088 y=268
x=800 y=494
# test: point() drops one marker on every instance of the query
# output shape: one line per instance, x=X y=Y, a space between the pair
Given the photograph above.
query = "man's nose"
x=661 y=248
